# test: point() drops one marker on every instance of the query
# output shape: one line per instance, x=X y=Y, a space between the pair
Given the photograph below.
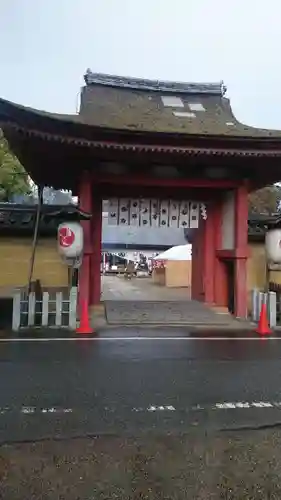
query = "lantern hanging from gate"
x=273 y=245
x=70 y=240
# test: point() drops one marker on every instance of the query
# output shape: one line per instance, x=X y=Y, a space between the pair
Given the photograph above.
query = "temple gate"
x=148 y=140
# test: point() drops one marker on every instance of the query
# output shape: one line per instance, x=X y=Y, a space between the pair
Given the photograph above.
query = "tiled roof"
x=258 y=224
x=111 y=103
x=20 y=218
x=155 y=85
x=135 y=104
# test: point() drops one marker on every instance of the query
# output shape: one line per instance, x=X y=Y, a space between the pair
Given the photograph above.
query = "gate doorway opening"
x=144 y=241
x=146 y=263
x=141 y=265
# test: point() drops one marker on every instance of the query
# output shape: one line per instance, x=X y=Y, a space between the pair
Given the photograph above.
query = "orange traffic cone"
x=263 y=326
x=85 y=327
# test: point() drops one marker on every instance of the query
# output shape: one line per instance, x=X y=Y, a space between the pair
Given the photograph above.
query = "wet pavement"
x=118 y=384
x=129 y=416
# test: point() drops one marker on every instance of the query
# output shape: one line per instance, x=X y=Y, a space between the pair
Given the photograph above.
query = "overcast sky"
x=46 y=46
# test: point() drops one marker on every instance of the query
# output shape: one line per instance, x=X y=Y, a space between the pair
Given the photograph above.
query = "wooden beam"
x=179 y=182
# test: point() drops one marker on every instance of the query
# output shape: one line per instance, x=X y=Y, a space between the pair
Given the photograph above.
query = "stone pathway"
x=140 y=302
x=118 y=288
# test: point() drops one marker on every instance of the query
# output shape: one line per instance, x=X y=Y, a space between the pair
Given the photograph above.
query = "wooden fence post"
x=31 y=309
x=72 y=308
x=45 y=309
x=58 y=308
x=16 y=311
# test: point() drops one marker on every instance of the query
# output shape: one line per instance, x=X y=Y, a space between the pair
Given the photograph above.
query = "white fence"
x=53 y=310
x=269 y=299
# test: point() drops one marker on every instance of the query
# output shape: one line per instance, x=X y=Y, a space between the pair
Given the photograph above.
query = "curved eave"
x=250 y=151
x=19 y=121
x=69 y=212
x=47 y=210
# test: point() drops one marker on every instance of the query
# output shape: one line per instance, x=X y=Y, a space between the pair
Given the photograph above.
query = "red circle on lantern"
x=66 y=237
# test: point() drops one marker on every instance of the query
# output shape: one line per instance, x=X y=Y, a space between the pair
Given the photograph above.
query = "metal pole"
x=267 y=276
x=35 y=235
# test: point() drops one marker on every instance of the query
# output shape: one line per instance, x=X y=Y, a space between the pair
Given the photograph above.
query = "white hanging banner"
x=155 y=213
x=113 y=212
x=164 y=213
x=174 y=213
x=124 y=211
x=194 y=215
x=145 y=212
x=134 y=213
x=184 y=210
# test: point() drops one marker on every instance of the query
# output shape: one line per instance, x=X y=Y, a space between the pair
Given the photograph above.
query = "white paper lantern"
x=273 y=245
x=70 y=239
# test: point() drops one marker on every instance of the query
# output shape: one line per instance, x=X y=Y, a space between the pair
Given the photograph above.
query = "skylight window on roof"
x=196 y=106
x=170 y=101
x=184 y=114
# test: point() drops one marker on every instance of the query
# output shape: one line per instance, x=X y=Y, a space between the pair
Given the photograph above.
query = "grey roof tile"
x=130 y=104
x=135 y=104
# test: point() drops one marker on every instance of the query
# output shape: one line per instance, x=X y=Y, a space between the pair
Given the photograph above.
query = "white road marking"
x=161 y=408
x=28 y=410
x=238 y=405
x=262 y=404
x=222 y=406
x=143 y=338
x=155 y=408
x=31 y=410
x=4 y=410
x=218 y=406
x=243 y=405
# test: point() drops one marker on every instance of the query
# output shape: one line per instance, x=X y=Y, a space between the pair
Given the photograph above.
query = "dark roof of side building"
x=18 y=219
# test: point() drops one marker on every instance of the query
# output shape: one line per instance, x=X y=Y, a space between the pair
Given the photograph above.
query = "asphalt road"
x=73 y=388
x=130 y=417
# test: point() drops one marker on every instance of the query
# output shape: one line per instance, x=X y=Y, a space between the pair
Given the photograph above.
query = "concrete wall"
x=15 y=256
x=256 y=268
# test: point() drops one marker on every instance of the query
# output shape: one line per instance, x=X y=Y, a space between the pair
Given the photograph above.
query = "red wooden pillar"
x=209 y=255
x=204 y=258
x=221 y=279
x=96 y=231
x=196 y=274
x=241 y=251
x=85 y=203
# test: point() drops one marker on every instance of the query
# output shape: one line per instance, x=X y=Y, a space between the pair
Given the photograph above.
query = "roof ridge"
x=216 y=88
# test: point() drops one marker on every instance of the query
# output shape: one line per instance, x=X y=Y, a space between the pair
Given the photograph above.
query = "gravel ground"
x=223 y=466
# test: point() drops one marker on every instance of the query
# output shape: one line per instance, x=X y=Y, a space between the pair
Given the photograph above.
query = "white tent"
x=180 y=252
